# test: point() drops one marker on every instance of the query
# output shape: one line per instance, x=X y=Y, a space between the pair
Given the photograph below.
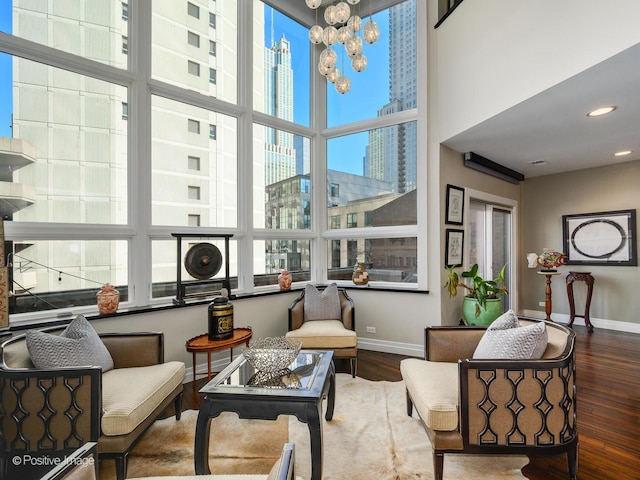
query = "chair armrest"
x=518 y=403
x=138 y=349
x=450 y=344
x=348 y=310
x=296 y=313
x=48 y=411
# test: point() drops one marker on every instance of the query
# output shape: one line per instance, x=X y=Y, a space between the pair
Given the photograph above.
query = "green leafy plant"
x=476 y=287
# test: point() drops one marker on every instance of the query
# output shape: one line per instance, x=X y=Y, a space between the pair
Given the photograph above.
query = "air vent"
x=538 y=162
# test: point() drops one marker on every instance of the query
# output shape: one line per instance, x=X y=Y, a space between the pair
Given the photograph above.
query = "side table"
x=202 y=344
x=588 y=279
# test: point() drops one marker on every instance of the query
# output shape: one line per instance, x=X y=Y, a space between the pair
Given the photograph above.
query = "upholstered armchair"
x=328 y=324
x=50 y=412
x=499 y=406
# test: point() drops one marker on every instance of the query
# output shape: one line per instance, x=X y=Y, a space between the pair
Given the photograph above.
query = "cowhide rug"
x=370 y=438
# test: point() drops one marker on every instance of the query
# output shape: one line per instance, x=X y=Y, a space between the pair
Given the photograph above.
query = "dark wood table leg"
x=331 y=396
x=314 y=422
x=194 y=369
x=201 y=444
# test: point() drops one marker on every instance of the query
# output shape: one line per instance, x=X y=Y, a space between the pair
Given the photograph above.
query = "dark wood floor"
x=608 y=408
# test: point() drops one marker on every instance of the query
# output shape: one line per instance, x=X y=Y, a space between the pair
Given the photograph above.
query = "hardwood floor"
x=608 y=406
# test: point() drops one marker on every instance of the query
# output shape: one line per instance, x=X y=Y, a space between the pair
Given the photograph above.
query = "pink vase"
x=284 y=280
x=108 y=299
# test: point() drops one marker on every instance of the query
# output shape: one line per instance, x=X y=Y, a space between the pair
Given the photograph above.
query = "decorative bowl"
x=271 y=354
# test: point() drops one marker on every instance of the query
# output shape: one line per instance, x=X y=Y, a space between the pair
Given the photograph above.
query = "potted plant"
x=481 y=304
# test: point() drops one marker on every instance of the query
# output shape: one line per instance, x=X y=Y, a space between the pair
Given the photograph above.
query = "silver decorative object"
x=271 y=354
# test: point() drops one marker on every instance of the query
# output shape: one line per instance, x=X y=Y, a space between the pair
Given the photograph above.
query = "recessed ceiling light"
x=600 y=111
x=622 y=153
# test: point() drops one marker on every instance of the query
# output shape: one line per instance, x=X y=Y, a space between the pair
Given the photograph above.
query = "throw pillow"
x=512 y=342
x=77 y=345
x=322 y=305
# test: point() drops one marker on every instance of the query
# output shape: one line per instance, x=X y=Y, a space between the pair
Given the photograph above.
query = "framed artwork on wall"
x=602 y=238
x=455 y=244
x=455 y=205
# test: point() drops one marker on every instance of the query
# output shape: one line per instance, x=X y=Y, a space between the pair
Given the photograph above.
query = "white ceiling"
x=553 y=126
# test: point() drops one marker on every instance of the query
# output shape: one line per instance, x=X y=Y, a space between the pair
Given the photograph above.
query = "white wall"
x=494 y=54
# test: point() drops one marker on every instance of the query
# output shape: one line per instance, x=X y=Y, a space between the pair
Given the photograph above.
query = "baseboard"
x=386 y=346
x=596 y=322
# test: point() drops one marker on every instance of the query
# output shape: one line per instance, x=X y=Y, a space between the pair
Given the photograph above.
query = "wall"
x=494 y=54
x=615 y=301
x=453 y=171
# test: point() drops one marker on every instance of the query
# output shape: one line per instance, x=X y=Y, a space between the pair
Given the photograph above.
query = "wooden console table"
x=588 y=279
x=202 y=344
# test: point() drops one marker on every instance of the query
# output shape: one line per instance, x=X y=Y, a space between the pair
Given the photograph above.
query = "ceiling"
x=552 y=126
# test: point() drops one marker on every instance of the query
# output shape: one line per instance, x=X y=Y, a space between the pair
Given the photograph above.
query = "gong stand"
x=181 y=287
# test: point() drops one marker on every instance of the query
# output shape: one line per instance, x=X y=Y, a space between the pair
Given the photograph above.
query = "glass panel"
x=65 y=273
x=177 y=140
x=64 y=137
x=372 y=92
x=164 y=269
x=371 y=178
x=282 y=191
x=273 y=256
x=95 y=33
x=176 y=55
x=385 y=259
x=477 y=235
x=281 y=65
x=501 y=228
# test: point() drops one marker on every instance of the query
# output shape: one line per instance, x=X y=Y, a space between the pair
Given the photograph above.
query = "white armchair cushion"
x=325 y=334
x=506 y=339
x=129 y=395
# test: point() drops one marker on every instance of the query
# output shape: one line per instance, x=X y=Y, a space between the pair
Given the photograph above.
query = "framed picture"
x=603 y=238
x=455 y=244
x=455 y=205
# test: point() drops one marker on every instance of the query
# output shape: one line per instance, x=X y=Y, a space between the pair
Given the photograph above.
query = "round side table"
x=202 y=344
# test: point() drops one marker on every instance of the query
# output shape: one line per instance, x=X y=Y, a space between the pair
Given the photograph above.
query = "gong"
x=203 y=261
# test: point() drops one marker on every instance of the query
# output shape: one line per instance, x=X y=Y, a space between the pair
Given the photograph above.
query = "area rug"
x=370 y=437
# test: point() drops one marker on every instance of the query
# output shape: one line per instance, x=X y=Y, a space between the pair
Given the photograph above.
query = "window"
x=80 y=178
x=193 y=39
x=193 y=126
x=194 y=68
x=193 y=10
x=193 y=163
x=194 y=193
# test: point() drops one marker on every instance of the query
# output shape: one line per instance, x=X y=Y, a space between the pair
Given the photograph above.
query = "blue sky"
x=369 y=89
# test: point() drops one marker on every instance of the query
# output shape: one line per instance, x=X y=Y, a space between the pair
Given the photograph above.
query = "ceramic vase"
x=108 y=299
x=284 y=280
x=360 y=275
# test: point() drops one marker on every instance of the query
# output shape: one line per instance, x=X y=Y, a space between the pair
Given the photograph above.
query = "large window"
x=109 y=159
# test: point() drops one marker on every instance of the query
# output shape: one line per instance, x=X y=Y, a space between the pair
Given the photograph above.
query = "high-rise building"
x=391 y=155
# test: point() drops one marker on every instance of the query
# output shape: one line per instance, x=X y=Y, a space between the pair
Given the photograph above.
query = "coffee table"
x=256 y=395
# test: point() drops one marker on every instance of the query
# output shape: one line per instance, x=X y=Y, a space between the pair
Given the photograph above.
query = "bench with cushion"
x=109 y=396
x=503 y=401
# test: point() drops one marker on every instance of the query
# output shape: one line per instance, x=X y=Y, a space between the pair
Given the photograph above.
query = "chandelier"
x=343 y=27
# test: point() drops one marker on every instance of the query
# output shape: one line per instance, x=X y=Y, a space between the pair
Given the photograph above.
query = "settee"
x=48 y=413
x=494 y=406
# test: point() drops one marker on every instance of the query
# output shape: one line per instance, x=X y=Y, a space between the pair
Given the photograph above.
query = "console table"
x=588 y=279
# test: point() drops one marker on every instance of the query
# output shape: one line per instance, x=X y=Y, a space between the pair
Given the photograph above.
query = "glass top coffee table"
x=298 y=391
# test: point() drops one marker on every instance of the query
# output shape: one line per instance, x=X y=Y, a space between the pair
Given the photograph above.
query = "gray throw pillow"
x=322 y=305
x=505 y=339
x=78 y=345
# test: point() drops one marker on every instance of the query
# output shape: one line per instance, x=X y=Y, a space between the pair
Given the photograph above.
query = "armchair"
x=49 y=413
x=476 y=406
x=327 y=334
